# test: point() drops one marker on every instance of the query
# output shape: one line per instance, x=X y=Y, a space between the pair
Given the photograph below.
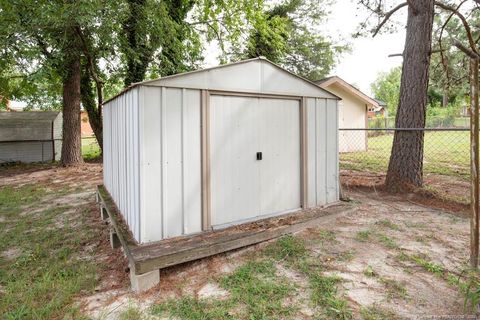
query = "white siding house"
x=217 y=147
x=352 y=113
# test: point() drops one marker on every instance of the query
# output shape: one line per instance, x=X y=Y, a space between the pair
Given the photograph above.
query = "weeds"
x=387 y=241
x=287 y=248
x=256 y=286
x=387 y=224
x=375 y=312
x=395 y=289
x=325 y=295
x=193 y=309
x=363 y=236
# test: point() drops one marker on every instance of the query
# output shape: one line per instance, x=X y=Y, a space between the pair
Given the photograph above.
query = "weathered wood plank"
x=165 y=255
x=123 y=235
x=169 y=252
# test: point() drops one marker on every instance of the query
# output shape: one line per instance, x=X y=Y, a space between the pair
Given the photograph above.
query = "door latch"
x=259 y=156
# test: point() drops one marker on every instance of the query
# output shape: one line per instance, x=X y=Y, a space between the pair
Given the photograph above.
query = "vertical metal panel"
x=321 y=132
x=304 y=153
x=120 y=123
x=191 y=164
x=332 y=151
x=151 y=166
x=172 y=163
x=312 y=142
x=136 y=162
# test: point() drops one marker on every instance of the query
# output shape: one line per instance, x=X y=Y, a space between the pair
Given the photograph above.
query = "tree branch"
x=464 y=22
x=388 y=15
x=472 y=54
x=91 y=66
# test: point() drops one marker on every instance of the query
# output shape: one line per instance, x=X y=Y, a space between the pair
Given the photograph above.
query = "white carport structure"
x=211 y=148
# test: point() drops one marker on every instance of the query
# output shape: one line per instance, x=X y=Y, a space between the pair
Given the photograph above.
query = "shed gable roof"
x=325 y=83
x=257 y=75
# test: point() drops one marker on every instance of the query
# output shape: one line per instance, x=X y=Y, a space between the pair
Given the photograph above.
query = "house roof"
x=326 y=82
x=29 y=115
x=380 y=103
x=252 y=75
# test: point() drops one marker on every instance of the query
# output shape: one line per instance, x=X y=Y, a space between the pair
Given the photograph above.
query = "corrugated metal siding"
x=170 y=162
x=26 y=151
x=120 y=161
x=322 y=128
x=152 y=160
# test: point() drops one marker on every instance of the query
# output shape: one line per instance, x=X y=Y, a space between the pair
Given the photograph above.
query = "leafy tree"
x=161 y=38
x=286 y=34
x=449 y=66
x=387 y=88
x=70 y=49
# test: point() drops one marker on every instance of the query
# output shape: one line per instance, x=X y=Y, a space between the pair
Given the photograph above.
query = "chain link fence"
x=446 y=150
x=431 y=122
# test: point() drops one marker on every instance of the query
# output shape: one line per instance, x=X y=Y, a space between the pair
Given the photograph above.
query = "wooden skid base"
x=146 y=260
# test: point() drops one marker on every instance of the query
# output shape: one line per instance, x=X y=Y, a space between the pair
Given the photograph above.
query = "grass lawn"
x=446 y=153
x=48 y=241
x=90 y=148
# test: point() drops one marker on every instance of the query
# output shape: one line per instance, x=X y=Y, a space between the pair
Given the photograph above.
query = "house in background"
x=380 y=111
x=353 y=111
x=86 y=129
x=30 y=136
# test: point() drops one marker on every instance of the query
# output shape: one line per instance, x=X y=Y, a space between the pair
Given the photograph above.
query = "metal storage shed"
x=216 y=147
x=34 y=136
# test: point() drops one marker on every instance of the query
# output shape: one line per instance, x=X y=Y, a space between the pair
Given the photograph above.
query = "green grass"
x=445 y=153
x=194 y=309
x=255 y=292
x=325 y=295
x=387 y=224
x=90 y=149
x=43 y=273
x=287 y=248
x=386 y=241
x=375 y=312
x=363 y=236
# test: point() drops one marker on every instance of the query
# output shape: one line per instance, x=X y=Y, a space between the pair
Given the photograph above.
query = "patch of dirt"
x=11 y=253
x=441 y=192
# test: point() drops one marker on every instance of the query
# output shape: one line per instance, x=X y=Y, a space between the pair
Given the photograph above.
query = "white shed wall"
x=322 y=162
x=170 y=162
x=121 y=156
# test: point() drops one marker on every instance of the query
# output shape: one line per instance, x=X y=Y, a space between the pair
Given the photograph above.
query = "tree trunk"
x=405 y=170
x=94 y=110
x=72 y=143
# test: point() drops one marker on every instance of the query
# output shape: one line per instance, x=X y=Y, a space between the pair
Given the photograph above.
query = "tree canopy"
x=287 y=33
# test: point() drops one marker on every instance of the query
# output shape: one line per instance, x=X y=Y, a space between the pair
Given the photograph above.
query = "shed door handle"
x=259 y=156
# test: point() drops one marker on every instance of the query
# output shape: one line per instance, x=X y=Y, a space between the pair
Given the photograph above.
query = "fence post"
x=474 y=162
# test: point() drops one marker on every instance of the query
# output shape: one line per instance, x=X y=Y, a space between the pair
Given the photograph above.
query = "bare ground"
x=373 y=269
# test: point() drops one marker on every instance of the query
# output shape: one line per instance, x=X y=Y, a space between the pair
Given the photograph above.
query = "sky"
x=369 y=56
